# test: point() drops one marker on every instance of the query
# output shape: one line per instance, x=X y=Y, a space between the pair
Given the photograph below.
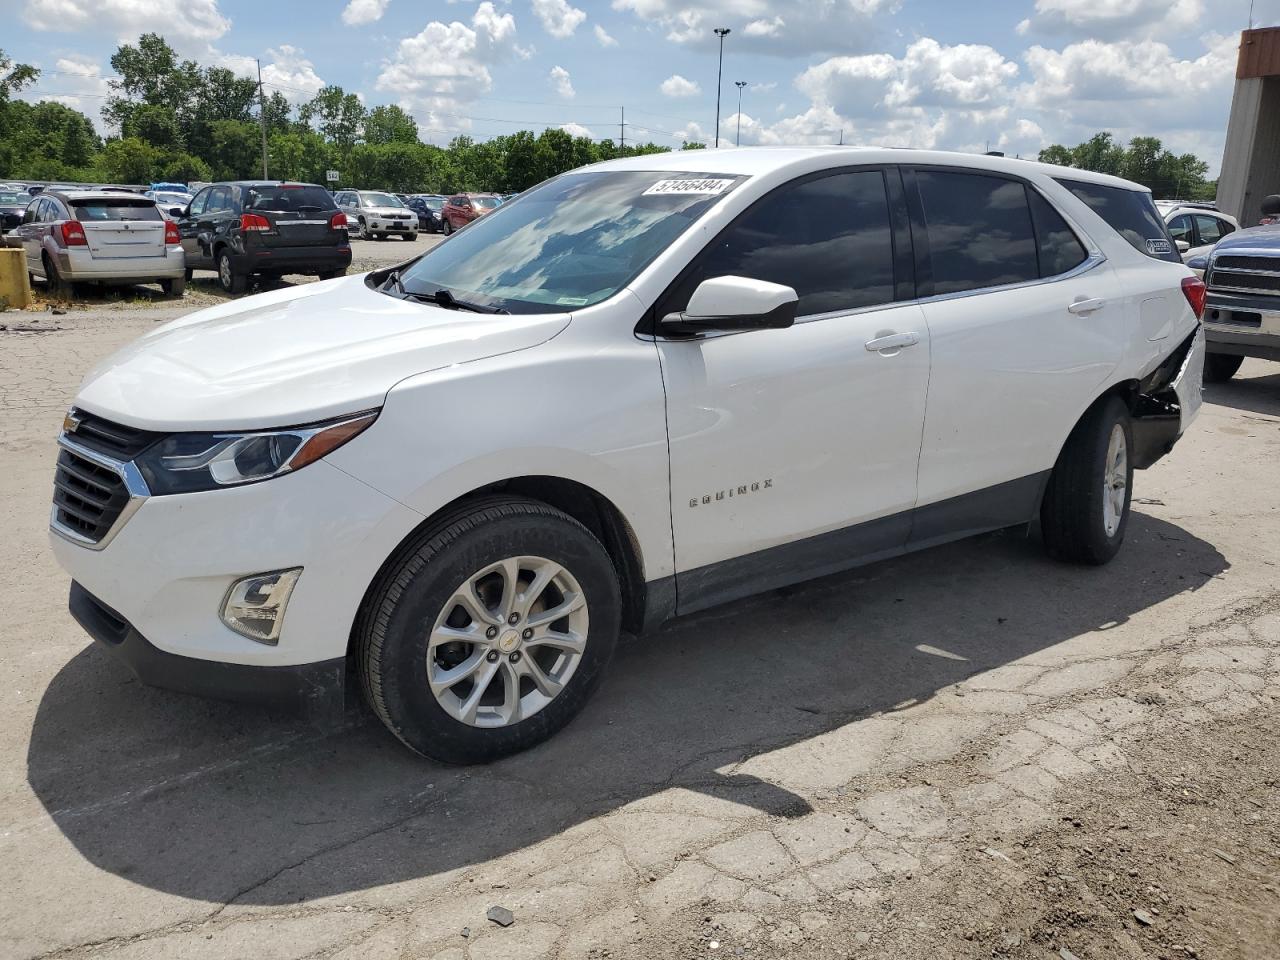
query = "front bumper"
x=1246 y=326
x=382 y=225
x=317 y=689
x=166 y=569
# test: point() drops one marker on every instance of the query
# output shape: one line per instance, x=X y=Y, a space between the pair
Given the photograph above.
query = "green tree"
x=389 y=124
x=693 y=145
x=235 y=149
x=338 y=115
x=1145 y=160
x=130 y=160
x=151 y=73
x=157 y=125
x=14 y=76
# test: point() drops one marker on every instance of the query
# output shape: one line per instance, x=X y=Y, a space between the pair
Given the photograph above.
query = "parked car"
x=79 y=236
x=1242 y=310
x=13 y=204
x=1195 y=227
x=428 y=207
x=378 y=215
x=265 y=228
x=462 y=208
x=172 y=206
x=649 y=387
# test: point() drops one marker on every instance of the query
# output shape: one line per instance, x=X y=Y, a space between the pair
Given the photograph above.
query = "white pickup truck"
x=640 y=389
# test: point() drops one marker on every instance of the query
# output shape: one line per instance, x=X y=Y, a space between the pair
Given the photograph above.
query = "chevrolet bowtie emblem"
x=70 y=423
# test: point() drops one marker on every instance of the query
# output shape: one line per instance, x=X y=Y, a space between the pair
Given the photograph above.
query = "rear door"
x=1025 y=324
x=121 y=228
x=298 y=215
x=29 y=231
x=188 y=227
x=1209 y=230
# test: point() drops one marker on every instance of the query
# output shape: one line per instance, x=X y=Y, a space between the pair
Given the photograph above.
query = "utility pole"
x=740 y=84
x=721 y=32
x=262 y=117
x=622 y=129
x=842 y=136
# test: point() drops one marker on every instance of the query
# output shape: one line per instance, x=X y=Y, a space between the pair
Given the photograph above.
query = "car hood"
x=1264 y=240
x=294 y=356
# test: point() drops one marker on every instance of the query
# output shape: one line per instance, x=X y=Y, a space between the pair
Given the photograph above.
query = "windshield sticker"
x=709 y=188
x=571 y=301
x=1159 y=246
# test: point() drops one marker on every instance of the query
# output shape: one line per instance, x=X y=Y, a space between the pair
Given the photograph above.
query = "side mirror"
x=735 y=303
x=177 y=211
x=1182 y=246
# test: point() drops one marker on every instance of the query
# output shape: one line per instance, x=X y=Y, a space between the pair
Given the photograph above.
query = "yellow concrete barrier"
x=15 y=286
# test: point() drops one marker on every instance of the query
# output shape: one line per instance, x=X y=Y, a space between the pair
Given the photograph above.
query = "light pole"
x=741 y=85
x=721 y=32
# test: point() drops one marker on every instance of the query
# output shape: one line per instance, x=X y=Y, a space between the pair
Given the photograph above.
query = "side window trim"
x=648 y=325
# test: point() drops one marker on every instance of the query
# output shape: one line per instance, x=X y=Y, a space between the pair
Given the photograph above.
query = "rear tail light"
x=171 y=234
x=337 y=221
x=1194 y=290
x=72 y=234
x=254 y=223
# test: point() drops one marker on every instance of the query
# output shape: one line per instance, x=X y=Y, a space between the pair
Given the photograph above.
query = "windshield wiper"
x=443 y=298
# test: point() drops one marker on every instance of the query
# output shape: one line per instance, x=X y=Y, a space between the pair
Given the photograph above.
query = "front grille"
x=114 y=439
x=1244 y=281
x=87 y=498
x=1228 y=262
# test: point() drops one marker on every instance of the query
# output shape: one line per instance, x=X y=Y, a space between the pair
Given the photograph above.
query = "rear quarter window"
x=1131 y=213
x=113 y=209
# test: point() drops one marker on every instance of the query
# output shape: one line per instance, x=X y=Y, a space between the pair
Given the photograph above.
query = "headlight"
x=187 y=462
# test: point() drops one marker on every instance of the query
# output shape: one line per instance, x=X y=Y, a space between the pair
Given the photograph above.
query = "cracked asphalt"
x=875 y=764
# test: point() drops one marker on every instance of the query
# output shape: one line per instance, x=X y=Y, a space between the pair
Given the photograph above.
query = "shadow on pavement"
x=1252 y=394
x=220 y=802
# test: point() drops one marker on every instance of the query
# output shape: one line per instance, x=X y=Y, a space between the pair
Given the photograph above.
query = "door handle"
x=1083 y=306
x=893 y=341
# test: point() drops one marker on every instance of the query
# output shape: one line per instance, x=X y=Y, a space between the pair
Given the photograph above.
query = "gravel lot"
x=971 y=752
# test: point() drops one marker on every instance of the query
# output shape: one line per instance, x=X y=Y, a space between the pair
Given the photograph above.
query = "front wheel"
x=1221 y=367
x=1086 y=505
x=447 y=228
x=490 y=632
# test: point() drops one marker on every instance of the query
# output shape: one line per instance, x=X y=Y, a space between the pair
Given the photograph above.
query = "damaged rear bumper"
x=1167 y=400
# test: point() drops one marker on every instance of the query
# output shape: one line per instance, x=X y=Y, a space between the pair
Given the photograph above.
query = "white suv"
x=372 y=213
x=1195 y=227
x=639 y=390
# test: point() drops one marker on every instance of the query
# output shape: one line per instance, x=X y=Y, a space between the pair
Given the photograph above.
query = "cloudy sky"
x=1009 y=74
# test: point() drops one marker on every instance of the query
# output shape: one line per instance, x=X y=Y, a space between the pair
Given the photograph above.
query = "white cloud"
x=677 y=86
x=772 y=27
x=182 y=22
x=602 y=36
x=286 y=68
x=446 y=65
x=81 y=74
x=359 y=12
x=558 y=18
x=560 y=80
x=576 y=130
x=1114 y=19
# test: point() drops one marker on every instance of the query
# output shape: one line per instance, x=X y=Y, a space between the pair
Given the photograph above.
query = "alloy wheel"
x=1115 y=480
x=507 y=641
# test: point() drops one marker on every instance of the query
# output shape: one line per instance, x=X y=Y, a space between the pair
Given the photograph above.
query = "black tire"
x=447 y=228
x=1221 y=367
x=56 y=285
x=1072 y=517
x=230 y=281
x=391 y=651
x=332 y=274
x=189 y=274
x=175 y=287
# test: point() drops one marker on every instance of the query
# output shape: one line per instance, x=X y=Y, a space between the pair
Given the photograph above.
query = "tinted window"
x=980 y=231
x=197 y=205
x=219 y=200
x=828 y=238
x=115 y=209
x=1180 y=229
x=1060 y=249
x=1211 y=228
x=288 y=198
x=1132 y=214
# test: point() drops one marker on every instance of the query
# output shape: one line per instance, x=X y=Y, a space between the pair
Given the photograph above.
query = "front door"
x=794 y=452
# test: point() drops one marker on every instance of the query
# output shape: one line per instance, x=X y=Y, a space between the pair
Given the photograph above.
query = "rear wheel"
x=175 y=287
x=447 y=228
x=1221 y=367
x=331 y=274
x=56 y=283
x=358 y=230
x=189 y=274
x=1086 y=506
x=490 y=631
x=228 y=278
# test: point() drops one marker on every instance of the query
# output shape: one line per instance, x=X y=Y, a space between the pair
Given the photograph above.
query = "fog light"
x=254 y=606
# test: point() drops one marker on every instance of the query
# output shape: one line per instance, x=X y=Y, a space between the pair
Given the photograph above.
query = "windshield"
x=284 y=199
x=434 y=203
x=172 y=199
x=486 y=203
x=115 y=208
x=570 y=242
x=379 y=200
x=8 y=197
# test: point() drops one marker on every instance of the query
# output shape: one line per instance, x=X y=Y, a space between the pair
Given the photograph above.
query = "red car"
x=462 y=208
